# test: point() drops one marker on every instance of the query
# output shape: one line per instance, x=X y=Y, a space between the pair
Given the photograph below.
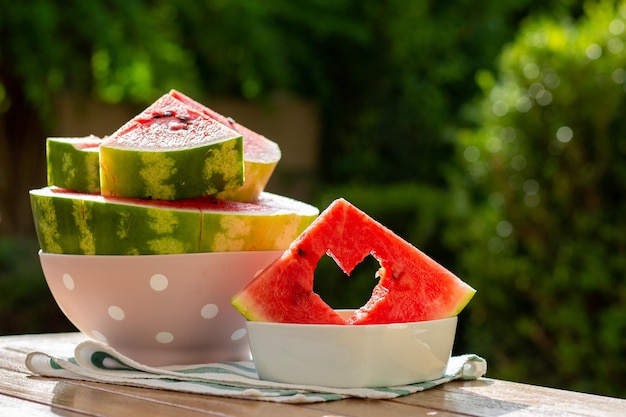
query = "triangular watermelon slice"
x=260 y=154
x=412 y=287
x=73 y=163
x=171 y=151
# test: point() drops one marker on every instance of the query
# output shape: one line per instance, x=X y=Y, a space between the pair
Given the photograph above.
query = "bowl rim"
x=346 y=313
x=186 y=254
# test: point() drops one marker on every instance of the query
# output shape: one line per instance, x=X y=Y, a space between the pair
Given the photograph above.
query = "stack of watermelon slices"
x=177 y=178
x=181 y=178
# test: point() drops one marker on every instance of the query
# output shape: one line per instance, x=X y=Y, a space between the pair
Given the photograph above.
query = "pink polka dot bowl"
x=158 y=309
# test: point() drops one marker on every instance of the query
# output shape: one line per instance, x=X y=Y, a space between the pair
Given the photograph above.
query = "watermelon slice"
x=67 y=222
x=171 y=151
x=412 y=286
x=73 y=163
x=261 y=155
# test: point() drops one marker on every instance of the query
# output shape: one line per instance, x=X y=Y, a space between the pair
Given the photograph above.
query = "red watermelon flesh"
x=256 y=148
x=171 y=151
x=90 y=142
x=173 y=128
x=412 y=286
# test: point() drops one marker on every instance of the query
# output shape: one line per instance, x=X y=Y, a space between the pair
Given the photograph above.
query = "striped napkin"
x=96 y=362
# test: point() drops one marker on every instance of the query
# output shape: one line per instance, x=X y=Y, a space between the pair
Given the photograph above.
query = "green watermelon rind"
x=261 y=155
x=72 y=166
x=257 y=175
x=78 y=169
x=463 y=301
x=77 y=223
x=172 y=174
x=171 y=151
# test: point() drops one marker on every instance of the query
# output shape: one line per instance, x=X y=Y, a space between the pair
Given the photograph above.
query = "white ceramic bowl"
x=352 y=356
x=158 y=309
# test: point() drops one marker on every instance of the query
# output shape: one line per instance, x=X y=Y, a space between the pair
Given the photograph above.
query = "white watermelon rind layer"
x=77 y=223
x=73 y=166
x=257 y=175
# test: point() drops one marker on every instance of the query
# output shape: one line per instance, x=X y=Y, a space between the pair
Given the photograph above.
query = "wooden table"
x=22 y=394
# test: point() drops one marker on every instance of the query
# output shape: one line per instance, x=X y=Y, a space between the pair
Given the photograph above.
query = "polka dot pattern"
x=164 y=337
x=159 y=282
x=208 y=311
x=154 y=309
x=238 y=334
x=68 y=282
x=116 y=313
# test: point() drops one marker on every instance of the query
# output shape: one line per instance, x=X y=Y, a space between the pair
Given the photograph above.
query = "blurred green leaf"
x=551 y=146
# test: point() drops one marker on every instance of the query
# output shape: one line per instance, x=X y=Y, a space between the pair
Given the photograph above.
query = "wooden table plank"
x=118 y=400
x=73 y=397
x=17 y=407
x=489 y=397
x=575 y=403
x=19 y=390
x=202 y=404
x=377 y=408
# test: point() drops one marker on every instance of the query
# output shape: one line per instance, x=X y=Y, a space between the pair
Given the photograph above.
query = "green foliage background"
x=548 y=159
x=487 y=133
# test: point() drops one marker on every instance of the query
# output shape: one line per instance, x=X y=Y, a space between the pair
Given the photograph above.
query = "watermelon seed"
x=167 y=114
x=231 y=120
x=300 y=252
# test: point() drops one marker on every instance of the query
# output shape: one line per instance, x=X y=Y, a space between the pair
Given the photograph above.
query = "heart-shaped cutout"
x=412 y=286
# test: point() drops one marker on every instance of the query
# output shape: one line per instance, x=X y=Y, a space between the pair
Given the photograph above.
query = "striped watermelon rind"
x=73 y=163
x=67 y=222
x=76 y=168
x=173 y=174
x=261 y=155
x=169 y=152
x=257 y=175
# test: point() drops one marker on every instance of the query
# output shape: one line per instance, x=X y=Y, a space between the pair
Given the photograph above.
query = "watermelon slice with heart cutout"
x=412 y=286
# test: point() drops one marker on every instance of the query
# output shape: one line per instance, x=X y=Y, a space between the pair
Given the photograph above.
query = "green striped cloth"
x=96 y=362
